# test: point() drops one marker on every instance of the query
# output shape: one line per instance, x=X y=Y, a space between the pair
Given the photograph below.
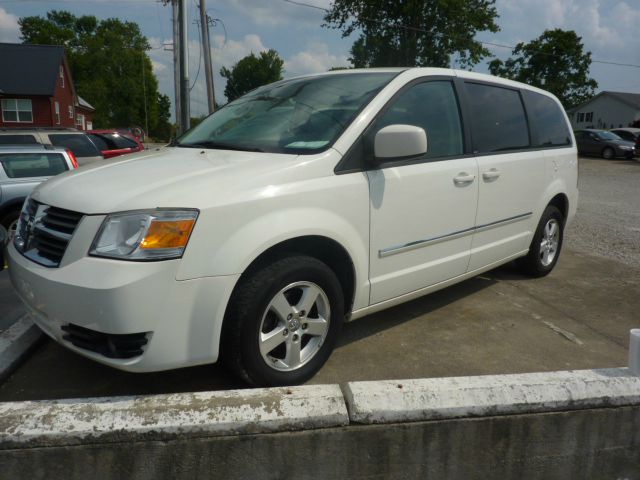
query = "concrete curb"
x=162 y=417
x=490 y=395
x=15 y=344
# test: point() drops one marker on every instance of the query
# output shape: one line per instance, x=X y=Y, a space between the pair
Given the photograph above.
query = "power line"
x=416 y=29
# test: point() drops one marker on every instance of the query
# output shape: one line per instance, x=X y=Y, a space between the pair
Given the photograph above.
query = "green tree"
x=252 y=72
x=412 y=33
x=109 y=65
x=555 y=61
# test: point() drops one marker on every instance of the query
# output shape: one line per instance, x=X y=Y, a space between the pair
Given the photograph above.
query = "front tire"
x=10 y=222
x=608 y=153
x=546 y=244
x=283 y=322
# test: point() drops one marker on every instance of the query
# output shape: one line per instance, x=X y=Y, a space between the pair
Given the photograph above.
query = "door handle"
x=463 y=178
x=491 y=174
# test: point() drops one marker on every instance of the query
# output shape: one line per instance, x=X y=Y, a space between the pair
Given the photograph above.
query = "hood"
x=170 y=177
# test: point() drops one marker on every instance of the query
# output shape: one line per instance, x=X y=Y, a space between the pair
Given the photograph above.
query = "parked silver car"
x=78 y=142
x=22 y=168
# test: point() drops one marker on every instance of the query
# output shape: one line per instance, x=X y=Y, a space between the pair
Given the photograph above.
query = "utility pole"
x=206 y=51
x=185 y=120
x=176 y=62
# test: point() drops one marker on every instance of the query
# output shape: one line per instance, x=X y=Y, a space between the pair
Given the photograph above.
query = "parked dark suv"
x=603 y=144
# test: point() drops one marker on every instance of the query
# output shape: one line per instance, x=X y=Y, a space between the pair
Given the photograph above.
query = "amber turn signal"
x=168 y=234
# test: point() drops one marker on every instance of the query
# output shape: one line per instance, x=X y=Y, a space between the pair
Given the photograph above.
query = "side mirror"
x=399 y=141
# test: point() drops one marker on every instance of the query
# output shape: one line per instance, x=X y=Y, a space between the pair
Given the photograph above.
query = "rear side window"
x=18 y=140
x=432 y=106
x=499 y=122
x=23 y=165
x=121 y=141
x=547 y=121
x=80 y=145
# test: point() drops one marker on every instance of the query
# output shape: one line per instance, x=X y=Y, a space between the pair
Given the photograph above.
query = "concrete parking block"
x=458 y=397
x=165 y=417
x=15 y=344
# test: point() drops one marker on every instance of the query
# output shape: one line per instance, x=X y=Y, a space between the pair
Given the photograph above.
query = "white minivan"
x=303 y=204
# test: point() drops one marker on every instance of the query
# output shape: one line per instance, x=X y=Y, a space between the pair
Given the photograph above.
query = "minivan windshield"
x=304 y=115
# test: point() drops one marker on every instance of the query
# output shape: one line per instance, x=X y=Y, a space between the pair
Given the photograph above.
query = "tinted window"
x=120 y=141
x=547 y=121
x=112 y=141
x=80 y=145
x=499 y=122
x=22 y=165
x=100 y=142
x=17 y=139
x=432 y=106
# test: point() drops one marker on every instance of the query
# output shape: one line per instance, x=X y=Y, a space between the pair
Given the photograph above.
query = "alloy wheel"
x=550 y=242
x=294 y=326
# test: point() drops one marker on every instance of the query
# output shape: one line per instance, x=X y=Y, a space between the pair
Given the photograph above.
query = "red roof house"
x=36 y=89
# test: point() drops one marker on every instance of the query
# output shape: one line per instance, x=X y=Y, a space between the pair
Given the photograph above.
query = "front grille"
x=107 y=344
x=45 y=232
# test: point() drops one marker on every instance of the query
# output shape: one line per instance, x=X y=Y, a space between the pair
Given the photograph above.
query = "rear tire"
x=546 y=244
x=273 y=332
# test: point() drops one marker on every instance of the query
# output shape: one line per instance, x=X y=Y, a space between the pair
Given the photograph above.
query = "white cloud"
x=9 y=30
x=222 y=53
x=316 y=58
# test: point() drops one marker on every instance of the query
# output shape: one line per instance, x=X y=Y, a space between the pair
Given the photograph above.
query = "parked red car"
x=113 y=143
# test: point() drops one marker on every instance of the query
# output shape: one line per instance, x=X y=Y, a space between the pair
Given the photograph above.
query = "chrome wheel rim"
x=608 y=153
x=550 y=242
x=294 y=326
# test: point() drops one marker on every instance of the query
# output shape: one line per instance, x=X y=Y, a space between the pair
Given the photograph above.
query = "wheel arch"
x=561 y=202
x=323 y=248
x=15 y=204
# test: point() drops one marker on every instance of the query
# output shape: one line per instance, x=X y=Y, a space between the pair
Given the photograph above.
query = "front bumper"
x=184 y=317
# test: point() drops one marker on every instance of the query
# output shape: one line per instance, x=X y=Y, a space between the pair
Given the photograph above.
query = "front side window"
x=24 y=165
x=79 y=144
x=547 y=120
x=17 y=110
x=299 y=116
x=432 y=106
x=499 y=121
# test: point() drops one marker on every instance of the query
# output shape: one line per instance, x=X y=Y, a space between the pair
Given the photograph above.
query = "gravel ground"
x=608 y=220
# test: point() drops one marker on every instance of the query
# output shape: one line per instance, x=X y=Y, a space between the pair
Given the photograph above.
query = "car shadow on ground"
x=394 y=316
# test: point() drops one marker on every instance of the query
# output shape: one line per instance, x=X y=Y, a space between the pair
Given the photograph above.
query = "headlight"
x=624 y=147
x=146 y=235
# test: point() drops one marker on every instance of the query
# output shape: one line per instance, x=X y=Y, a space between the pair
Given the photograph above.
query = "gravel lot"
x=608 y=219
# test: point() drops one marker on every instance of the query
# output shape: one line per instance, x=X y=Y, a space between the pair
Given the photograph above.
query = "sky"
x=609 y=29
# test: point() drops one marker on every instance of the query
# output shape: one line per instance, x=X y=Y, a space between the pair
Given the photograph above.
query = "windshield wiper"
x=220 y=146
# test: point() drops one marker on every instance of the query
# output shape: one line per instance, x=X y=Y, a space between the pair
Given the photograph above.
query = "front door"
x=422 y=210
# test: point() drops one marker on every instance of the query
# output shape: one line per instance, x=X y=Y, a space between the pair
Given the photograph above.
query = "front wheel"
x=546 y=244
x=608 y=153
x=283 y=322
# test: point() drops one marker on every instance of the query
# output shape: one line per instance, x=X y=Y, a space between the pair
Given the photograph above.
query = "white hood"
x=171 y=178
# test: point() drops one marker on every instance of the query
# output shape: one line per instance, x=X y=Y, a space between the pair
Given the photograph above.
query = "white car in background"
x=303 y=204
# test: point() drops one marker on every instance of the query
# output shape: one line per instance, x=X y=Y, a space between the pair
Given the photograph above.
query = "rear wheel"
x=283 y=322
x=546 y=244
